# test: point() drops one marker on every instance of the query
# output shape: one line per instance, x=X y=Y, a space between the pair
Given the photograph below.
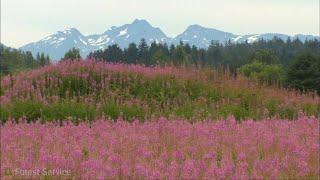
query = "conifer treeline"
x=230 y=54
x=13 y=60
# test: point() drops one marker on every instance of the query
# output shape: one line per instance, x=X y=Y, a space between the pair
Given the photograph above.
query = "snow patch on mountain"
x=123 y=32
x=253 y=38
x=237 y=38
x=46 y=38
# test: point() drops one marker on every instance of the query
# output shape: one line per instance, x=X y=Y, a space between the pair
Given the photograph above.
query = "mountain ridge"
x=59 y=42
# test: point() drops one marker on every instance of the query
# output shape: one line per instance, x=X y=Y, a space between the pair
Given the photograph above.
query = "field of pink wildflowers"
x=162 y=149
x=95 y=120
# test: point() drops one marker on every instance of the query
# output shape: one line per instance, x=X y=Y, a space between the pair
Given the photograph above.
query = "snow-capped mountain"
x=58 y=43
x=128 y=33
x=201 y=36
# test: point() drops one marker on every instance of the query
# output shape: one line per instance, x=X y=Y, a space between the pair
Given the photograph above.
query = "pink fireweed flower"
x=164 y=149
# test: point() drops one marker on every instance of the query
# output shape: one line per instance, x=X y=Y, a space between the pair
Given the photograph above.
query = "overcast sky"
x=24 y=21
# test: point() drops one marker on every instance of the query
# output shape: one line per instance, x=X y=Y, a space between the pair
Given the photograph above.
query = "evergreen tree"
x=165 y=49
x=143 y=53
x=42 y=60
x=202 y=57
x=214 y=55
x=132 y=53
x=159 y=57
x=47 y=59
x=304 y=73
x=72 y=54
x=171 y=52
x=187 y=48
x=180 y=56
x=29 y=60
x=195 y=55
x=38 y=57
x=113 y=53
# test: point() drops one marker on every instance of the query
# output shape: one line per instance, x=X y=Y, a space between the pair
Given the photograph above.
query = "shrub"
x=68 y=110
x=29 y=109
x=239 y=112
x=127 y=112
x=265 y=73
x=272 y=107
x=111 y=110
x=288 y=112
x=185 y=111
x=213 y=95
x=4 y=114
x=311 y=109
x=131 y=112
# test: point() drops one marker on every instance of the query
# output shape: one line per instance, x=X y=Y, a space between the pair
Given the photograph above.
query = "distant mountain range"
x=58 y=43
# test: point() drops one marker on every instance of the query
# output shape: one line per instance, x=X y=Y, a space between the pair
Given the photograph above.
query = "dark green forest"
x=229 y=54
x=289 y=63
